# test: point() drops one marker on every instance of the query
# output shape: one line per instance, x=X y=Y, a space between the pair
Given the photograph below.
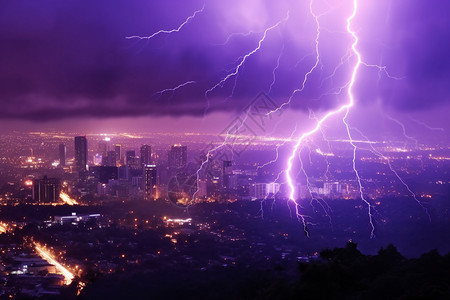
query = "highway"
x=68 y=276
x=67 y=200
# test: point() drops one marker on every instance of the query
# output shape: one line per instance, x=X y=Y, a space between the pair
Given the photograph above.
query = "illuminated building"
x=103 y=174
x=264 y=190
x=202 y=188
x=272 y=188
x=330 y=188
x=81 y=151
x=146 y=155
x=177 y=157
x=62 y=155
x=302 y=191
x=116 y=188
x=74 y=219
x=150 y=182
x=226 y=173
x=46 y=190
x=130 y=157
x=103 y=150
x=118 y=149
x=233 y=181
x=137 y=181
x=103 y=146
x=97 y=159
x=111 y=159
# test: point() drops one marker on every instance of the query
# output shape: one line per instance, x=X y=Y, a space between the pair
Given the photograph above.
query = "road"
x=68 y=276
x=67 y=200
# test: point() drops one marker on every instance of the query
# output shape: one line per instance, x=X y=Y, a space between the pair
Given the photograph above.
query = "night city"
x=240 y=149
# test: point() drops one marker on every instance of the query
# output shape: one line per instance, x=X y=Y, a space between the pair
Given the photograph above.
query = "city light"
x=66 y=199
x=68 y=276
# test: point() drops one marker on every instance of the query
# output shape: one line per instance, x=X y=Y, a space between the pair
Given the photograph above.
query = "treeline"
x=341 y=273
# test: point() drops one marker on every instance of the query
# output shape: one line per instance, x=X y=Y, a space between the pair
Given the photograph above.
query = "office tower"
x=111 y=159
x=227 y=171
x=302 y=191
x=130 y=157
x=124 y=172
x=146 y=155
x=46 y=190
x=150 y=182
x=104 y=146
x=103 y=149
x=62 y=155
x=258 y=190
x=177 y=156
x=332 y=188
x=272 y=189
x=264 y=190
x=81 y=151
x=103 y=174
x=118 y=150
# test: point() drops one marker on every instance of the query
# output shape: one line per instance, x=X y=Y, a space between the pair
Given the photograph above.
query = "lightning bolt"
x=416 y=142
x=168 y=32
x=344 y=59
x=426 y=125
x=299 y=143
x=325 y=207
x=210 y=153
x=235 y=72
x=382 y=70
x=173 y=90
x=344 y=108
x=317 y=61
x=277 y=151
x=327 y=171
x=203 y=164
x=231 y=36
x=275 y=70
x=388 y=161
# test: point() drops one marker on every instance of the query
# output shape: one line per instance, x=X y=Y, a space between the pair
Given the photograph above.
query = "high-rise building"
x=258 y=190
x=227 y=171
x=103 y=174
x=118 y=150
x=302 y=191
x=272 y=188
x=146 y=155
x=111 y=159
x=104 y=146
x=332 y=188
x=177 y=156
x=62 y=155
x=130 y=157
x=81 y=151
x=46 y=190
x=150 y=182
x=264 y=190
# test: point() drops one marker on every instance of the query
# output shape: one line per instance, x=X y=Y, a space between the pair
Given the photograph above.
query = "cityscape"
x=80 y=207
x=248 y=150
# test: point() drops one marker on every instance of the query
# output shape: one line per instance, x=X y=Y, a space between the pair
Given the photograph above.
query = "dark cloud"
x=70 y=59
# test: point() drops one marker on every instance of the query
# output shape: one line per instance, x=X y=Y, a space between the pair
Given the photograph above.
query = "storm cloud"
x=71 y=59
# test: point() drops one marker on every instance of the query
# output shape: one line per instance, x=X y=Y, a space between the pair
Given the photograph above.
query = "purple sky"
x=67 y=61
